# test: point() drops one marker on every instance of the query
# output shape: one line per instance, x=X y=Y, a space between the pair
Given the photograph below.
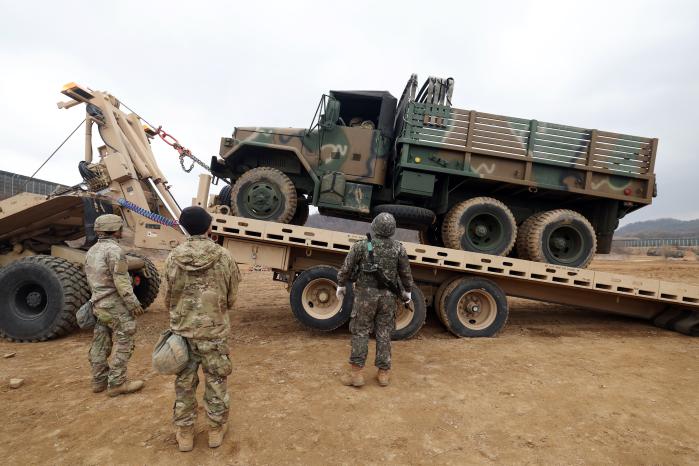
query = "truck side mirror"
x=332 y=113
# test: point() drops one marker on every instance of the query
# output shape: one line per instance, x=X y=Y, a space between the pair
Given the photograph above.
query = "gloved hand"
x=139 y=311
x=407 y=297
x=340 y=293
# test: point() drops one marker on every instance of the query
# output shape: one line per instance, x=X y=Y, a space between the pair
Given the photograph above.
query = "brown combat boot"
x=216 y=435
x=383 y=377
x=354 y=378
x=126 y=387
x=98 y=387
x=185 y=438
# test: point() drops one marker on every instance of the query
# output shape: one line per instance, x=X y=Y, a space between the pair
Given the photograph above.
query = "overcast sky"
x=201 y=68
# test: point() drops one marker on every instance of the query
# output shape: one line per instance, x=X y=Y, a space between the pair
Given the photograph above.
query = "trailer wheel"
x=302 y=210
x=481 y=224
x=146 y=282
x=438 y=300
x=410 y=319
x=313 y=300
x=264 y=193
x=39 y=297
x=475 y=307
x=561 y=237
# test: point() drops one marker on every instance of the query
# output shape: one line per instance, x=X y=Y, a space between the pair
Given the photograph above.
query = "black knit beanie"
x=195 y=220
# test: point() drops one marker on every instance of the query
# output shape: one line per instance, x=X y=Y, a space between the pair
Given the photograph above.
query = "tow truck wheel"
x=146 y=282
x=561 y=237
x=313 y=300
x=410 y=318
x=475 y=307
x=481 y=224
x=264 y=193
x=39 y=297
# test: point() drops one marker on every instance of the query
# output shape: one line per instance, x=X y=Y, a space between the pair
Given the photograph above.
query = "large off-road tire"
x=522 y=244
x=39 y=297
x=481 y=224
x=407 y=216
x=474 y=307
x=146 y=282
x=302 y=210
x=561 y=237
x=264 y=193
x=410 y=319
x=438 y=301
x=313 y=300
x=224 y=196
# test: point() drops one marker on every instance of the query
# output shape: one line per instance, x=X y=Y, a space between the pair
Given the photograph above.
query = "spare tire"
x=224 y=196
x=39 y=297
x=146 y=282
x=406 y=215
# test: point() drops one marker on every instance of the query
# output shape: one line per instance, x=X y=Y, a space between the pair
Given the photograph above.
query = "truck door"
x=350 y=150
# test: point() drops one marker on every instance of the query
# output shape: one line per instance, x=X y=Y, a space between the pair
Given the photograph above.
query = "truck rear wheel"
x=522 y=244
x=313 y=300
x=481 y=224
x=264 y=193
x=410 y=319
x=561 y=237
x=39 y=297
x=146 y=282
x=475 y=307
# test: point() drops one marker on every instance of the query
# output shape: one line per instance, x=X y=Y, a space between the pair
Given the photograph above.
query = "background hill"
x=660 y=228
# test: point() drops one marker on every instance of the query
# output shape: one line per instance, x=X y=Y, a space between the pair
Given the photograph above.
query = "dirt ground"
x=558 y=386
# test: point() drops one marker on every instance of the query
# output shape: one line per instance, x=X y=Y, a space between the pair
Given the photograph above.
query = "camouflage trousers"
x=212 y=355
x=375 y=310
x=118 y=331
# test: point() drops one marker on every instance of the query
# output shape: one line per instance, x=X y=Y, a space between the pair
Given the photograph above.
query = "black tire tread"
x=76 y=292
x=153 y=287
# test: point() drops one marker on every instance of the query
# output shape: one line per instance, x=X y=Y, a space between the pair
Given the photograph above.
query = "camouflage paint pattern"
x=201 y=286
x=374 y=310
x=527 y=152
x=114 y=304
x=212 y=355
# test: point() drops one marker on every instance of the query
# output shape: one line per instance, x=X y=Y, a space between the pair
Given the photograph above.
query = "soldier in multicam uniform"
x=374 y=304
x=202 y=284
x=114 y=306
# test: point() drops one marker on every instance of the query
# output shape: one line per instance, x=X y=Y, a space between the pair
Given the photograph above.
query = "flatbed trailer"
x=467 y=290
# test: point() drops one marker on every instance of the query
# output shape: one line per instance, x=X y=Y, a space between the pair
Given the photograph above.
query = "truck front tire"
x=264 y=193
x=482 y=224
x=39 y=297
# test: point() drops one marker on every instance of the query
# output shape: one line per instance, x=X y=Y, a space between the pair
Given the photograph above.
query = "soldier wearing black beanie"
x=195 y=220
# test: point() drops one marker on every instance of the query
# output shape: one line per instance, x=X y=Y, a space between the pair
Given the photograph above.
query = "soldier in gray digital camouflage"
x=115 y=307
x=201 y=287
x=381 y=273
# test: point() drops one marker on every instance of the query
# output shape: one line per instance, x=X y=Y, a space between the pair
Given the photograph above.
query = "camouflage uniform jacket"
x=202 y=284
x=389 y=255
x=108 y=274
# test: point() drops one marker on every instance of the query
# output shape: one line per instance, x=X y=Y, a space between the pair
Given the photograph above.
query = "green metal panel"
x=420 y=184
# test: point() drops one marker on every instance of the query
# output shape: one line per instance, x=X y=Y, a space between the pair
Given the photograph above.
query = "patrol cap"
x=107 y=223
x=195 y=220
x=384 y=225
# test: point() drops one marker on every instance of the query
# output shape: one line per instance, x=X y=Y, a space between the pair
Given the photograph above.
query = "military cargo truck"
x=465 y=179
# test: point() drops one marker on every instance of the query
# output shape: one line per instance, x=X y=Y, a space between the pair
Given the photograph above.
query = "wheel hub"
x=318 y=298
x=263 y=198
x=476 y=309
x=559 y=243
x=34 y=299
x=481 y=231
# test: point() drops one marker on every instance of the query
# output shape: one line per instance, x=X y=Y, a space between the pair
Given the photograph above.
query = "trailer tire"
x=475 y=307
x=264 y=193
x=313 y=300
x=407 y=216
x=409 y=321
x=482 y=224
x=146 y=283
x=561 y=237
x=302 y=210
x=438 y=300
x=39 y=296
